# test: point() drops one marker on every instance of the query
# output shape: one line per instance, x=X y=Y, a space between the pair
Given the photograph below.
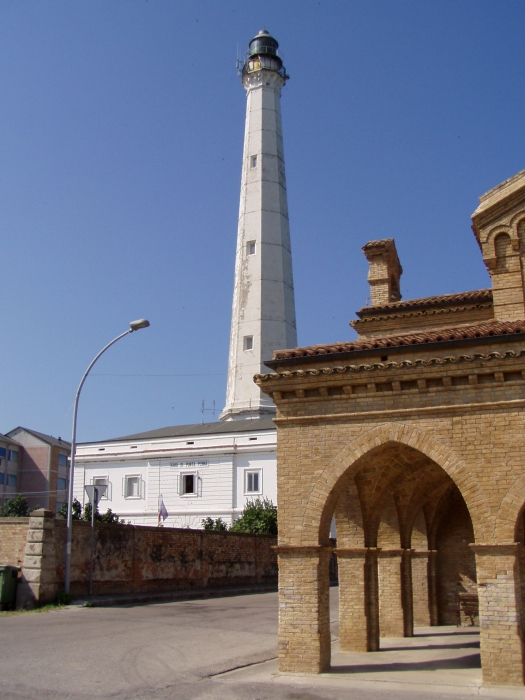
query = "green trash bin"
x=8 y=581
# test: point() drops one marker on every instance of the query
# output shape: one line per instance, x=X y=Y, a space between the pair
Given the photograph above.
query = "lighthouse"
x=263 y=312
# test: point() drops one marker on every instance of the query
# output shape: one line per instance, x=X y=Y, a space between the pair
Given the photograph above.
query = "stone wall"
x=13 y=536
x=137 y=559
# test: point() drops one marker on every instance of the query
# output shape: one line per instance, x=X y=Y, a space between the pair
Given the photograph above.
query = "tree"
x=217 y=525
x=15 y=508
x=258 y=517
x=77 y=510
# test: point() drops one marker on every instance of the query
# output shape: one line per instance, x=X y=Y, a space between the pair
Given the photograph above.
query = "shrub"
x=108 y=517
x=15 y=508
x=211 y=524
x=258 y=517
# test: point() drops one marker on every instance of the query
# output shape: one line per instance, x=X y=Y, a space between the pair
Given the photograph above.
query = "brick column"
x=500 y=613
x=358 y=624
x=39 y=584
x=420 y=588
x=407 y=596
x=304 y=611
x=432 y=588
x=389 y=571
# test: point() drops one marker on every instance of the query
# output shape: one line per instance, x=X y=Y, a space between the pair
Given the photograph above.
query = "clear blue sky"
x=121 y=143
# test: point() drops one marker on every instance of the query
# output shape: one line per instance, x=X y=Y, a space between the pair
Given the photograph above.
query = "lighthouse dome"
x=263 y=44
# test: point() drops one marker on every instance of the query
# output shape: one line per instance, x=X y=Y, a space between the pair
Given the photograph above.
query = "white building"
x=199 y=471
x=211 y=470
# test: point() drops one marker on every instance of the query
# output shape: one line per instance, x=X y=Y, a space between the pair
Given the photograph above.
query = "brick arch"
x=489 y=248
x=346 y=464
x=517 y=219
x=511 y=508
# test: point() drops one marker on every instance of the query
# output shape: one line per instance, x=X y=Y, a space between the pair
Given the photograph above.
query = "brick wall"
x=13 y=536
x=142 y=559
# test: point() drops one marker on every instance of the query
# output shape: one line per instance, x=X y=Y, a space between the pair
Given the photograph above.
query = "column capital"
x=391 y=552
x=421 y=553
x=493 y=549
x=297 y=550
x=351 y=552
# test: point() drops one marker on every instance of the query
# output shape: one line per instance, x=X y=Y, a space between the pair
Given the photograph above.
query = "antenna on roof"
x=239 y=63
x=207 y=410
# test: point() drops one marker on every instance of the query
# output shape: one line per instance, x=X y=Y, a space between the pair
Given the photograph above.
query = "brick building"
x=41 y=468
x=9 y=456
x=413 y=436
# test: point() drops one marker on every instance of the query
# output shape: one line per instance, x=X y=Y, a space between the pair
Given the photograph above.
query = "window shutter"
x=124 y=486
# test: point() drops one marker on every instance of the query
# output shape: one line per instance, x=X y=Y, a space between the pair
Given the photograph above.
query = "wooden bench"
x=468 y=605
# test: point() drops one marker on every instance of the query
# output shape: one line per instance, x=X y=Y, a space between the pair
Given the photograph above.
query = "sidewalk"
x=442 y=660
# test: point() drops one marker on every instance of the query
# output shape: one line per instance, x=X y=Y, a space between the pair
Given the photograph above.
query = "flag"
x=163 y=513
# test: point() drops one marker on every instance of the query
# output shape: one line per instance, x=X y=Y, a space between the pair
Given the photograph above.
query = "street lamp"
x=133 y=326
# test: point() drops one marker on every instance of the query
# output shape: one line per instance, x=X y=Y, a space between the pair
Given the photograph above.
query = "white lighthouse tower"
x=263 y=314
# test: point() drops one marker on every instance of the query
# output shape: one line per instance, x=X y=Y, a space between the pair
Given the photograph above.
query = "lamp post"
x=133 y=326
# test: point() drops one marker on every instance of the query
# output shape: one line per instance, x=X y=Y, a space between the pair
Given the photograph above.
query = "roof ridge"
x=480 y=330
x=455 y=297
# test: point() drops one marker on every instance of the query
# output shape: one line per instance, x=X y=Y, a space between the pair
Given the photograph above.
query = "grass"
x=62 y=601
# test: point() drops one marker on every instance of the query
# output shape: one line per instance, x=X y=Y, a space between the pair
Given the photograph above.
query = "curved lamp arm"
x=133 y=326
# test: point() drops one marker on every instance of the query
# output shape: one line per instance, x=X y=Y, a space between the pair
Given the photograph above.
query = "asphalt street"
x=214 y=649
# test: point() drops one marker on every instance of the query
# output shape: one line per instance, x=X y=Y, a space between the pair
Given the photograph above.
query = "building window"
x=11 y=480
x=59 y=506
x=1 y=478
x=62 y=460
x=252 y=481
x=132 y=487
x=248 y=342
x=250 y=248
x=253 y=161
x=2 y=451
x=61 y=483
x=102 y=481
x=188 y=484
x=12 y=456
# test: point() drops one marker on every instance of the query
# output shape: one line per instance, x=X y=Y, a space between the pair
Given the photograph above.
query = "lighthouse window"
x=248 y=342
x=250 y=247
x=254 y=161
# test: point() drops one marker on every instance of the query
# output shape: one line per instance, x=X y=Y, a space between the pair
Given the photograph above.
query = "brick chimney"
x=385 y=271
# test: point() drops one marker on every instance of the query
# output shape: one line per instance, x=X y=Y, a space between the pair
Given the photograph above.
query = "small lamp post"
x=133 y=326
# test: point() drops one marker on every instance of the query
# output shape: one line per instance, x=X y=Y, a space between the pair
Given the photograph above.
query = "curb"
x=170 y=596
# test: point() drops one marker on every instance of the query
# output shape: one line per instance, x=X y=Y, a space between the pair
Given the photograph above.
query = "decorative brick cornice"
x=288 y=375
x=399 y=413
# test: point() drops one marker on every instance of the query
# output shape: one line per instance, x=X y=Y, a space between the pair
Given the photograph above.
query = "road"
x=165 y=651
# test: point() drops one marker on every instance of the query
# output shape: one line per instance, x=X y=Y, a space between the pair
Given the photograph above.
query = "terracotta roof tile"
x=474 y=297
x=482 y=330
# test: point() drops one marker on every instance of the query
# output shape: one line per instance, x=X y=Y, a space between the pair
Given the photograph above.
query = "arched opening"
x=457 y=590
x=403 y=546
x=502 y=249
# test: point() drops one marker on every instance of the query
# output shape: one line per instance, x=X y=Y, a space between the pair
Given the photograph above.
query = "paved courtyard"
x=220 y=648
